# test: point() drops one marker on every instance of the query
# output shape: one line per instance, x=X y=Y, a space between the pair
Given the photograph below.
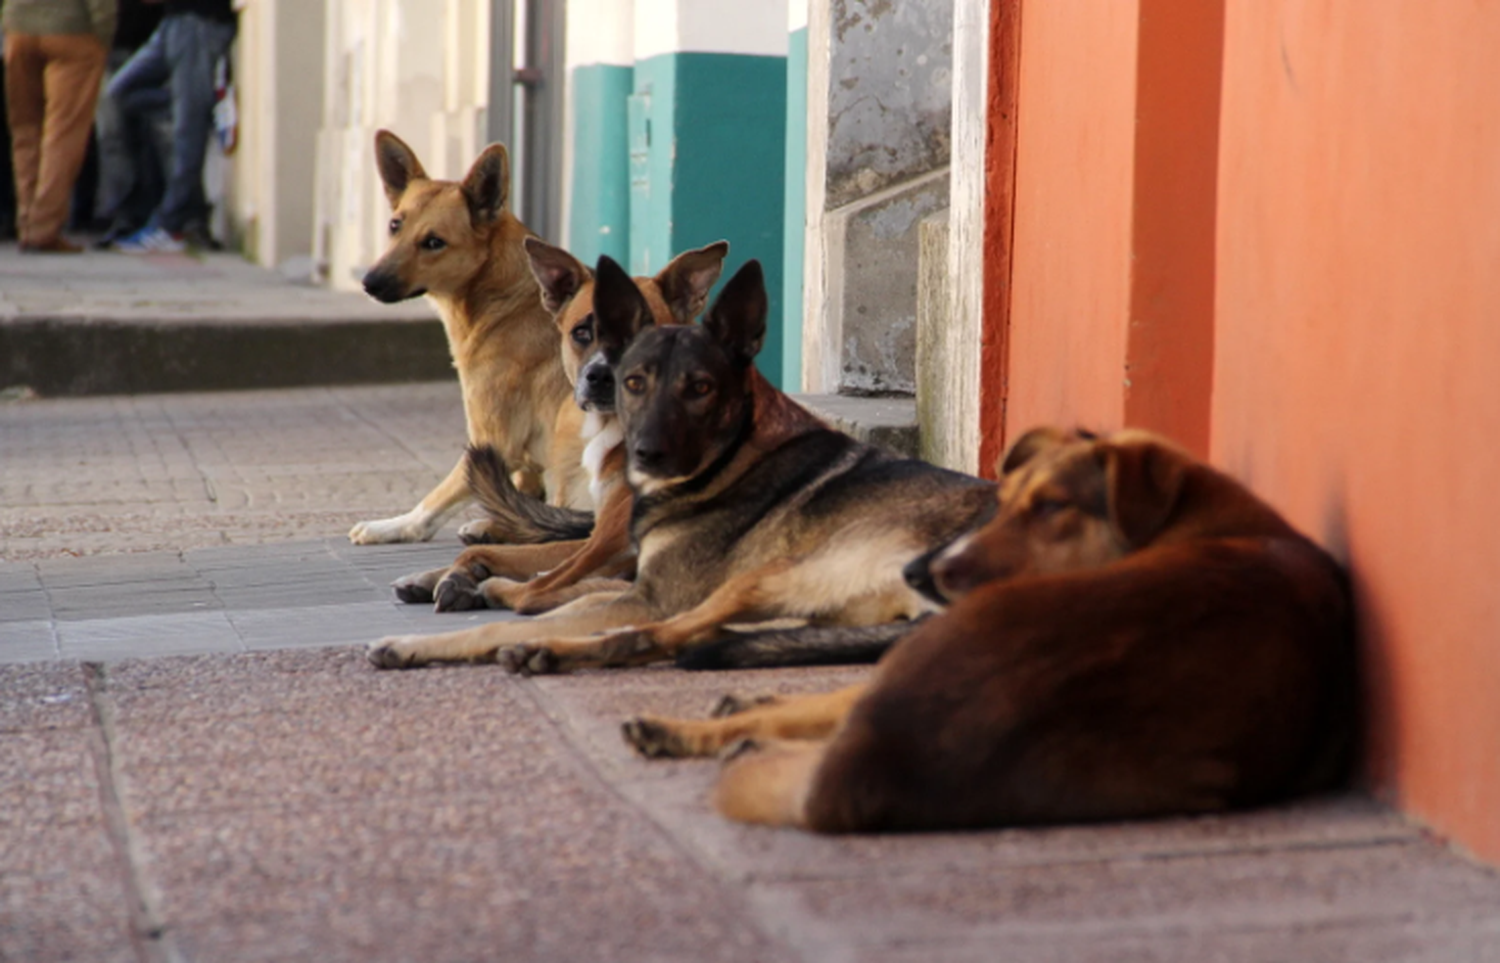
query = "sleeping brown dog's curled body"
x=1134 y=635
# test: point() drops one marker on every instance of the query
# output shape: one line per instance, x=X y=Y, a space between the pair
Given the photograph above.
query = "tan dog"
x=746 y=509
x=1134 y=635
x=459 y=244
x=593 y=341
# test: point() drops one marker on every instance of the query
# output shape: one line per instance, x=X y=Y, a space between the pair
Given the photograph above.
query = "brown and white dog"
x=1134 y=635
x=594 y=333
x=458 y=243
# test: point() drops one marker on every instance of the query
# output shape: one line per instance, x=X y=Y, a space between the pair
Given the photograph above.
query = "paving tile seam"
x=1188 y=926
x=580 y=758
x=982 y=871
x=51 y=620
x=152 y=941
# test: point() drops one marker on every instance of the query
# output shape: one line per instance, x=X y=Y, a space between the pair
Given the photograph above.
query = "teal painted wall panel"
x=795 y=209
x=599 y=221
x=651 y=168
x=709 y=135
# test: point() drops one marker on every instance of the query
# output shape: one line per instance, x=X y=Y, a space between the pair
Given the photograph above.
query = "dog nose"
x=648 y=456
x=380 y=286
x=952 y=575
x=598 y=376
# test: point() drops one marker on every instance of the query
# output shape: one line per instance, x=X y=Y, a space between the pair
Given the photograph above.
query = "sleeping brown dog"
x=1133 y=635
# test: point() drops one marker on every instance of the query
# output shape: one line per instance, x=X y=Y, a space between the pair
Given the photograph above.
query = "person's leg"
x=24 y=105
x=75 y=65
x=7 y=173
x=117 y=174
x=146 y=70
x=194 y=44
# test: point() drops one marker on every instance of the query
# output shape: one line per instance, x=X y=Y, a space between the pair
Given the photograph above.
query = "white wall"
x=417 y=67
x=278 y=77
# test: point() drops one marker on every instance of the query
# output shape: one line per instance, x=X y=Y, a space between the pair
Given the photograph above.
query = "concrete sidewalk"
x=274 y=798
x=102 y=323
x=196 y=763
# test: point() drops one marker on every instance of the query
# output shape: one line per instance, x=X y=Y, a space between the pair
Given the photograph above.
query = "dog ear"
x=738 y=318
x=487 y=185
x=1031 y=444
x=1144 y=481
x=685 y=282
x=397 y=164
x=620 y=310
x=559 y=273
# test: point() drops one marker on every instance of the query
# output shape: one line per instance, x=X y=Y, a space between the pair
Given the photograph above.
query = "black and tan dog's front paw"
x=416 y=588
x=732 y=705
x=393 y=652
x=528 y=660
x=653 y=739
x=457 y=592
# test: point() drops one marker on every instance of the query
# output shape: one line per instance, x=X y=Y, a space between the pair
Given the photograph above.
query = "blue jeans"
x=179 y=57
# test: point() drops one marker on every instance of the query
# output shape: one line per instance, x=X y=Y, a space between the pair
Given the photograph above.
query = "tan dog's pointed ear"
x=559 y=273
x=487 y=185
x=686 y=281
x=1031 y=444
x=1144 y=480
x=397 y=164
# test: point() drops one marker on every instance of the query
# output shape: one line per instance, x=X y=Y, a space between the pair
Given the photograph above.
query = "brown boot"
x=58 y=245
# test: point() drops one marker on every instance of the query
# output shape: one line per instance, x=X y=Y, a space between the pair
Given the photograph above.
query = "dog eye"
x=582 y=335
x=395 y=225
x=1047 y=507
x=697 y=389
x=433 y=243
x=634 y=384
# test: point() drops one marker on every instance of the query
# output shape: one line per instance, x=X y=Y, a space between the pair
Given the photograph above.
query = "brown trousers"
x=51 y=87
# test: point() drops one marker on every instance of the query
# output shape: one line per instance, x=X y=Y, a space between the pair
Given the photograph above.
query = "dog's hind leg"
x=507 y=640
x=458 y=589
x=422 y=522
x=751 y=596
x=769 y=784
x=791 y=717
x=502 y=593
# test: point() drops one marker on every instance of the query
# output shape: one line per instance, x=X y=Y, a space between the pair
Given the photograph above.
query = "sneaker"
x=151 y=240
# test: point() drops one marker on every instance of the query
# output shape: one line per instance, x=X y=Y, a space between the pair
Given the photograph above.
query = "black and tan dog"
x=746 y=509
x=594 y=339
x=1134 y=635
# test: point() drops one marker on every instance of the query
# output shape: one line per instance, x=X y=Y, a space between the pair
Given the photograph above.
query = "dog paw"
x=476 y=533
x=738 y=748
x=651 y=739
x=527 y=660
x=501 y=593
x=457 y=592
x=412 y=588
x=392 y=653
x=732 y=705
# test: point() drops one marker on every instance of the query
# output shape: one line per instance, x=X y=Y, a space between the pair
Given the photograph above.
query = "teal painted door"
x=638 y=127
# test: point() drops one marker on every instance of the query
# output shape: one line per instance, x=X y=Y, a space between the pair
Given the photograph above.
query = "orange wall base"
x=1357 y=382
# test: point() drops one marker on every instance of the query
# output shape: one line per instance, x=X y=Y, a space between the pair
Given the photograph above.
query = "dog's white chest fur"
x=603 y=434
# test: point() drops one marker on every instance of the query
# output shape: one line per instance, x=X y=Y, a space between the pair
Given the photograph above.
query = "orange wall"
x=1071 y=260
x=1112 y=270
x=1357 y=374
x=1170 y=351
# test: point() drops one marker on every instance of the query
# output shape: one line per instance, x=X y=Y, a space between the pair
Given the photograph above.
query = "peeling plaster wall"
x=878 y=146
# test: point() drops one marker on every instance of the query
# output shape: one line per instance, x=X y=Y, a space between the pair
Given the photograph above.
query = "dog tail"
x=806 y=645
x=515 y=517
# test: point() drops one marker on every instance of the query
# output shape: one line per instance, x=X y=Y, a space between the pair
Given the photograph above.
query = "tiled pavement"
x=271 y=797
